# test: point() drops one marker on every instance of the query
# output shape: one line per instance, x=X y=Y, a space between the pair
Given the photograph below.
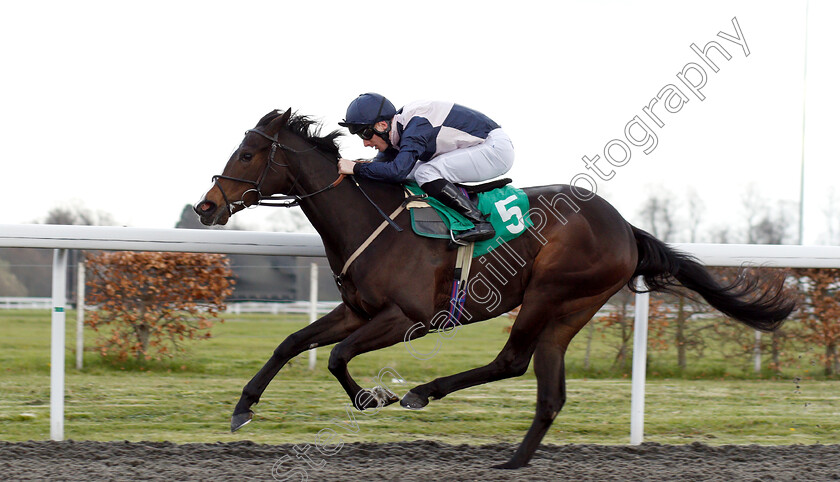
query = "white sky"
x=129 y=108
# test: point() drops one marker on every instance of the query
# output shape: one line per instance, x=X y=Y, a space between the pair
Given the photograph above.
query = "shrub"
x=153 y=302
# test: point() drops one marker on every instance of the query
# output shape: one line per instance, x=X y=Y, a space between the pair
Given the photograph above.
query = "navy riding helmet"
x=366 y=110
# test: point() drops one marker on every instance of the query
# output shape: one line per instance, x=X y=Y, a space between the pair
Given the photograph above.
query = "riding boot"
x=452 y=197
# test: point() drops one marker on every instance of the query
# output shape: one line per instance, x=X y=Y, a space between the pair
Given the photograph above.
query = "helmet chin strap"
x=384 y=134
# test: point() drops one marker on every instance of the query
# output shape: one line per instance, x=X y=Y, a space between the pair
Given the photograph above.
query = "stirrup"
x=456 y=241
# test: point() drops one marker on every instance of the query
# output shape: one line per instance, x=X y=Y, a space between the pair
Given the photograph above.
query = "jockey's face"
x=377 y=142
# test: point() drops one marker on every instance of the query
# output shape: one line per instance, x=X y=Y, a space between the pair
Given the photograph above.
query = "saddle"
x=429 y=218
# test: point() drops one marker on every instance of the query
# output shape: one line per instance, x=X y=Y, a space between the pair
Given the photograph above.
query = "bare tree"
x=658 y=214
x=753 y=204
x=766 y=222
x=832 y=218
x=696 y=209
x=78 y=215
x=722 y=235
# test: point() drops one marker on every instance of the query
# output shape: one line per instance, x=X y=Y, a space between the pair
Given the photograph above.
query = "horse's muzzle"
x=210 y=214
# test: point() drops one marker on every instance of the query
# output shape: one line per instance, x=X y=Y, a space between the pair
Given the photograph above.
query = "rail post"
x=640 y=331
x=59 y=290
x=80 y=314
x=313 y=307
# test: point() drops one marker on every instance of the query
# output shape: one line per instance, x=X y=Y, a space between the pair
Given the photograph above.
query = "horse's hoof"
x=412 y=401
x=240 y=420
x=510 y=465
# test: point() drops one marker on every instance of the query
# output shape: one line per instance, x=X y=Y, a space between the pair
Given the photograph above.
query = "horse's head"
x=254 y=171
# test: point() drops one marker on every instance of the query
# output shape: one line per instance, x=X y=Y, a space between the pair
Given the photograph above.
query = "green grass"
x=190 y=399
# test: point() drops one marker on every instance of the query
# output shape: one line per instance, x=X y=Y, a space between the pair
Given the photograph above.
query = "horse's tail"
x=763 y=306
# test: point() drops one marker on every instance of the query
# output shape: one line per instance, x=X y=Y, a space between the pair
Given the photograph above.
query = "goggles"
x=366 y=133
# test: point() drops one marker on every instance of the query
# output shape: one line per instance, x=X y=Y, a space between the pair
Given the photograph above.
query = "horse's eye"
x=247 y=156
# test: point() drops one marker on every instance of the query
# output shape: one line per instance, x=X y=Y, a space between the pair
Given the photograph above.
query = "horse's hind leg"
x=331 y=328
x=547 y=343
x=512 y=360
x=551 y=382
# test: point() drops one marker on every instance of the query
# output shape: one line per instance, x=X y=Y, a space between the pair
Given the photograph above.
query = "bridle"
x=274 y=200
x=284 y=201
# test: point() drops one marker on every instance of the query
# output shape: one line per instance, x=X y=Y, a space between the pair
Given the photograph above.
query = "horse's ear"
x=278 y=123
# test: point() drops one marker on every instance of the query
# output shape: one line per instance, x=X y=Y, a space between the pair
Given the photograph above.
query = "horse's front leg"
x=386 y=328
x=331 y=328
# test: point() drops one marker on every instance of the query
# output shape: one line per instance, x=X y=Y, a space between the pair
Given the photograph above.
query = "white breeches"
x=481 y=162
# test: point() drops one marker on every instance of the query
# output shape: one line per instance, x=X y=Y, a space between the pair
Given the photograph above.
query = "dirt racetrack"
x=423 y=460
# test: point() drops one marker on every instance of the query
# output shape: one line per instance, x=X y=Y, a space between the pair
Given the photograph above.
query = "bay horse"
x=578 y=252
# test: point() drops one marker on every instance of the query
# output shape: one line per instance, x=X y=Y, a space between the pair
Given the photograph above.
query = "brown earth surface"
x=409 y=461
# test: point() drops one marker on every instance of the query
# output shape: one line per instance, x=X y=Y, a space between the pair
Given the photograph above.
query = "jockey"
x=434 y=144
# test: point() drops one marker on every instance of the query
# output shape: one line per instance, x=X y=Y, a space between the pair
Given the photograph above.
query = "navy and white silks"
x=441 y=140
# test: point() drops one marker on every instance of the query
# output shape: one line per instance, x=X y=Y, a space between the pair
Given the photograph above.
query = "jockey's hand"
x=345 y=166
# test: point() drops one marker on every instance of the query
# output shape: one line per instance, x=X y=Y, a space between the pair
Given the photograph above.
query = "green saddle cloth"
x=506 y=207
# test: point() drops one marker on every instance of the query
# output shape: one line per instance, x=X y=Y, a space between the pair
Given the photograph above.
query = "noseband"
x=274 y=200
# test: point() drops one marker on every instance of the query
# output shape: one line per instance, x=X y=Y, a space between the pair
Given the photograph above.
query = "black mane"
x=307 y=128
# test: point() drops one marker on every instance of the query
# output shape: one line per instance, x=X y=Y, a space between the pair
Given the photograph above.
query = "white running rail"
x=62 y=238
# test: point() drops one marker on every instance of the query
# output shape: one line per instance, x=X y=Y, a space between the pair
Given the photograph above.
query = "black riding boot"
x=445 y=192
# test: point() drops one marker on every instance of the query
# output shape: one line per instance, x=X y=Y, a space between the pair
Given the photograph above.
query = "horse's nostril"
x=205 y=207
